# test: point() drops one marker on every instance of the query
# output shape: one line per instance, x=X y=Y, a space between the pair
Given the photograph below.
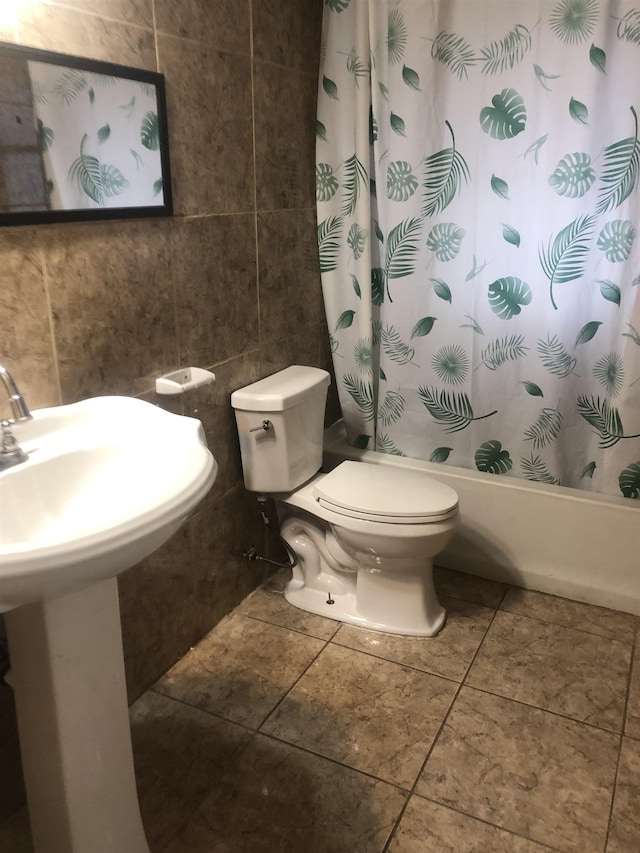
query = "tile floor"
x=517 y=729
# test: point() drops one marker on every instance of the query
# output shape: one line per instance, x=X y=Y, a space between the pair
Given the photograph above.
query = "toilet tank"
x=281 y=457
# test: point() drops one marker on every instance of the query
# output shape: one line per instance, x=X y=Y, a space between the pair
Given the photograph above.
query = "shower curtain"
x=478 y=211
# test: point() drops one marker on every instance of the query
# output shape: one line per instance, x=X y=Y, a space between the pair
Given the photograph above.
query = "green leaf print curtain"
x=477 y=178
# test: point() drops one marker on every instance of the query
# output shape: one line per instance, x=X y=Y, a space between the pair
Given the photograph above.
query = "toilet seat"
x=384 y=494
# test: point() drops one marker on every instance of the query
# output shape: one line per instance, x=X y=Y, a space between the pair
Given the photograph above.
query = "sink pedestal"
x=67 y=671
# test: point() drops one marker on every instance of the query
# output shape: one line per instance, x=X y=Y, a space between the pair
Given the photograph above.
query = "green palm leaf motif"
x=535 y=148
x=337 y=5
x=451 y=364
x=355 y=180
x=401 y=250
x=578 y=111
x=555 y=357
x=396 y=37
x=609 y=371
x=69 y=85
x=501 y=350
x=545 y=429
x=616 y=239
x=506 y=117
x=565 y=255
x=345 y=320
x=536 y=470
x=506 y=54
x=330 y=88
x=363 y=355
x=573 y=176
x=620 y=172
x=508 y=295
x=440 y=454
x=150 y=131
x=445 y=240
x=499 y=187
x=454 y=52
x=411 y=78
x=588 y=470
x=45 y=135
x=543 y=77
x=321 y=131
x=603 y=417
x=441 y=289
x=633 y=335
x=397 y=124
x=329 y=243
x=629 y=481
x=377 y=286
x=356 y=66
x=362 y=394
x=610 y=291
x=395 y=348
x=573 y=21
x=423 y=327
x=401 y=182
x=326 y=182
x=511 y=235
x=157 y=187
x=357 y=239
x=384 y=444
x=588 y=332
x=533 y=389
x=391 y=408
x=490 y=458
x=444 y=172
x=473 y=324
x=598 y=58
x=629 y=27
x=447 y=407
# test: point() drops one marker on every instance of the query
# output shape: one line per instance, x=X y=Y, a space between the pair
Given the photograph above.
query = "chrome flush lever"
x=265 y=425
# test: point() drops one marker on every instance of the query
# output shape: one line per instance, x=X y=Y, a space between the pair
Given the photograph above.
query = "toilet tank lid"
x=382 y=490
x=281 y=390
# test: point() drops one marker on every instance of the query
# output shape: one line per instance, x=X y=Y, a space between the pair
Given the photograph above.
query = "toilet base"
x=392 y=602
x=343 y=609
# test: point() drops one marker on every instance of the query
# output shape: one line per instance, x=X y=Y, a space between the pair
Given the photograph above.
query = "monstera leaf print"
x=401 y=182
x=490 y=458
x=620 y=172
x=573 y=176
x=445 y=240
x=616 y=239
x=506 y=117
x=150 y=132
x=326 y=182
x=565 y=256
x=357 y=239
x=97 y=180
x=629 y=481
x=444 y=172
x=508 y=295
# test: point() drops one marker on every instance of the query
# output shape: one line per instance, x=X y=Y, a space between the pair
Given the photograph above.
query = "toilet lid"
x=384 y=493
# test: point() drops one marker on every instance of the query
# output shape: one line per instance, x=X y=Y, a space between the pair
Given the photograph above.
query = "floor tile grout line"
x=569 y=627
x=297 y=680
x=436 y=737
x=620 y=745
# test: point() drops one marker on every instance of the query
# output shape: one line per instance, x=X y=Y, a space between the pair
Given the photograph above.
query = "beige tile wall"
x=230 y=283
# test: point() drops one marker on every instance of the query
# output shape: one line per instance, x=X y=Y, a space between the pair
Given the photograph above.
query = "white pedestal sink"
x=107 y=481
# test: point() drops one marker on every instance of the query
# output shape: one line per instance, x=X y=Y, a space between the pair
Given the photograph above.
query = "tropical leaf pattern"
x=477 y=231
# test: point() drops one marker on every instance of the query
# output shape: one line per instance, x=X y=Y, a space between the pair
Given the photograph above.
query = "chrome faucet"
x=10 y=451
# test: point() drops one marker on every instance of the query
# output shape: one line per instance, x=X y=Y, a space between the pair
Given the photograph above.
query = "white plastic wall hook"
x=183 y=380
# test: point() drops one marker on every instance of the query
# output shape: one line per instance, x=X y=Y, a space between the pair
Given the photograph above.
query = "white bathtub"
x=553 y=539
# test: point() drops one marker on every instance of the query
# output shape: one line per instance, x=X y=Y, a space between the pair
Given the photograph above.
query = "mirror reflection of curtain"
x=478 y=168
x=22 y=175
x=100 y=138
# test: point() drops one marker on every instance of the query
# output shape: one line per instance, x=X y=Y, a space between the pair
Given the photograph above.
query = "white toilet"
x=365 y=535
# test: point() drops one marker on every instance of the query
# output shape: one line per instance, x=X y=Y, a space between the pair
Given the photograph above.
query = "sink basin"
x=107 y=481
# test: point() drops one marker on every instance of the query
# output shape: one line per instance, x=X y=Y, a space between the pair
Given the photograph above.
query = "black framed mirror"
x=80 y=139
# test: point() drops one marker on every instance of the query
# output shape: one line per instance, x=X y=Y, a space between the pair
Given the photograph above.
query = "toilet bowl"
x=365 y=535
